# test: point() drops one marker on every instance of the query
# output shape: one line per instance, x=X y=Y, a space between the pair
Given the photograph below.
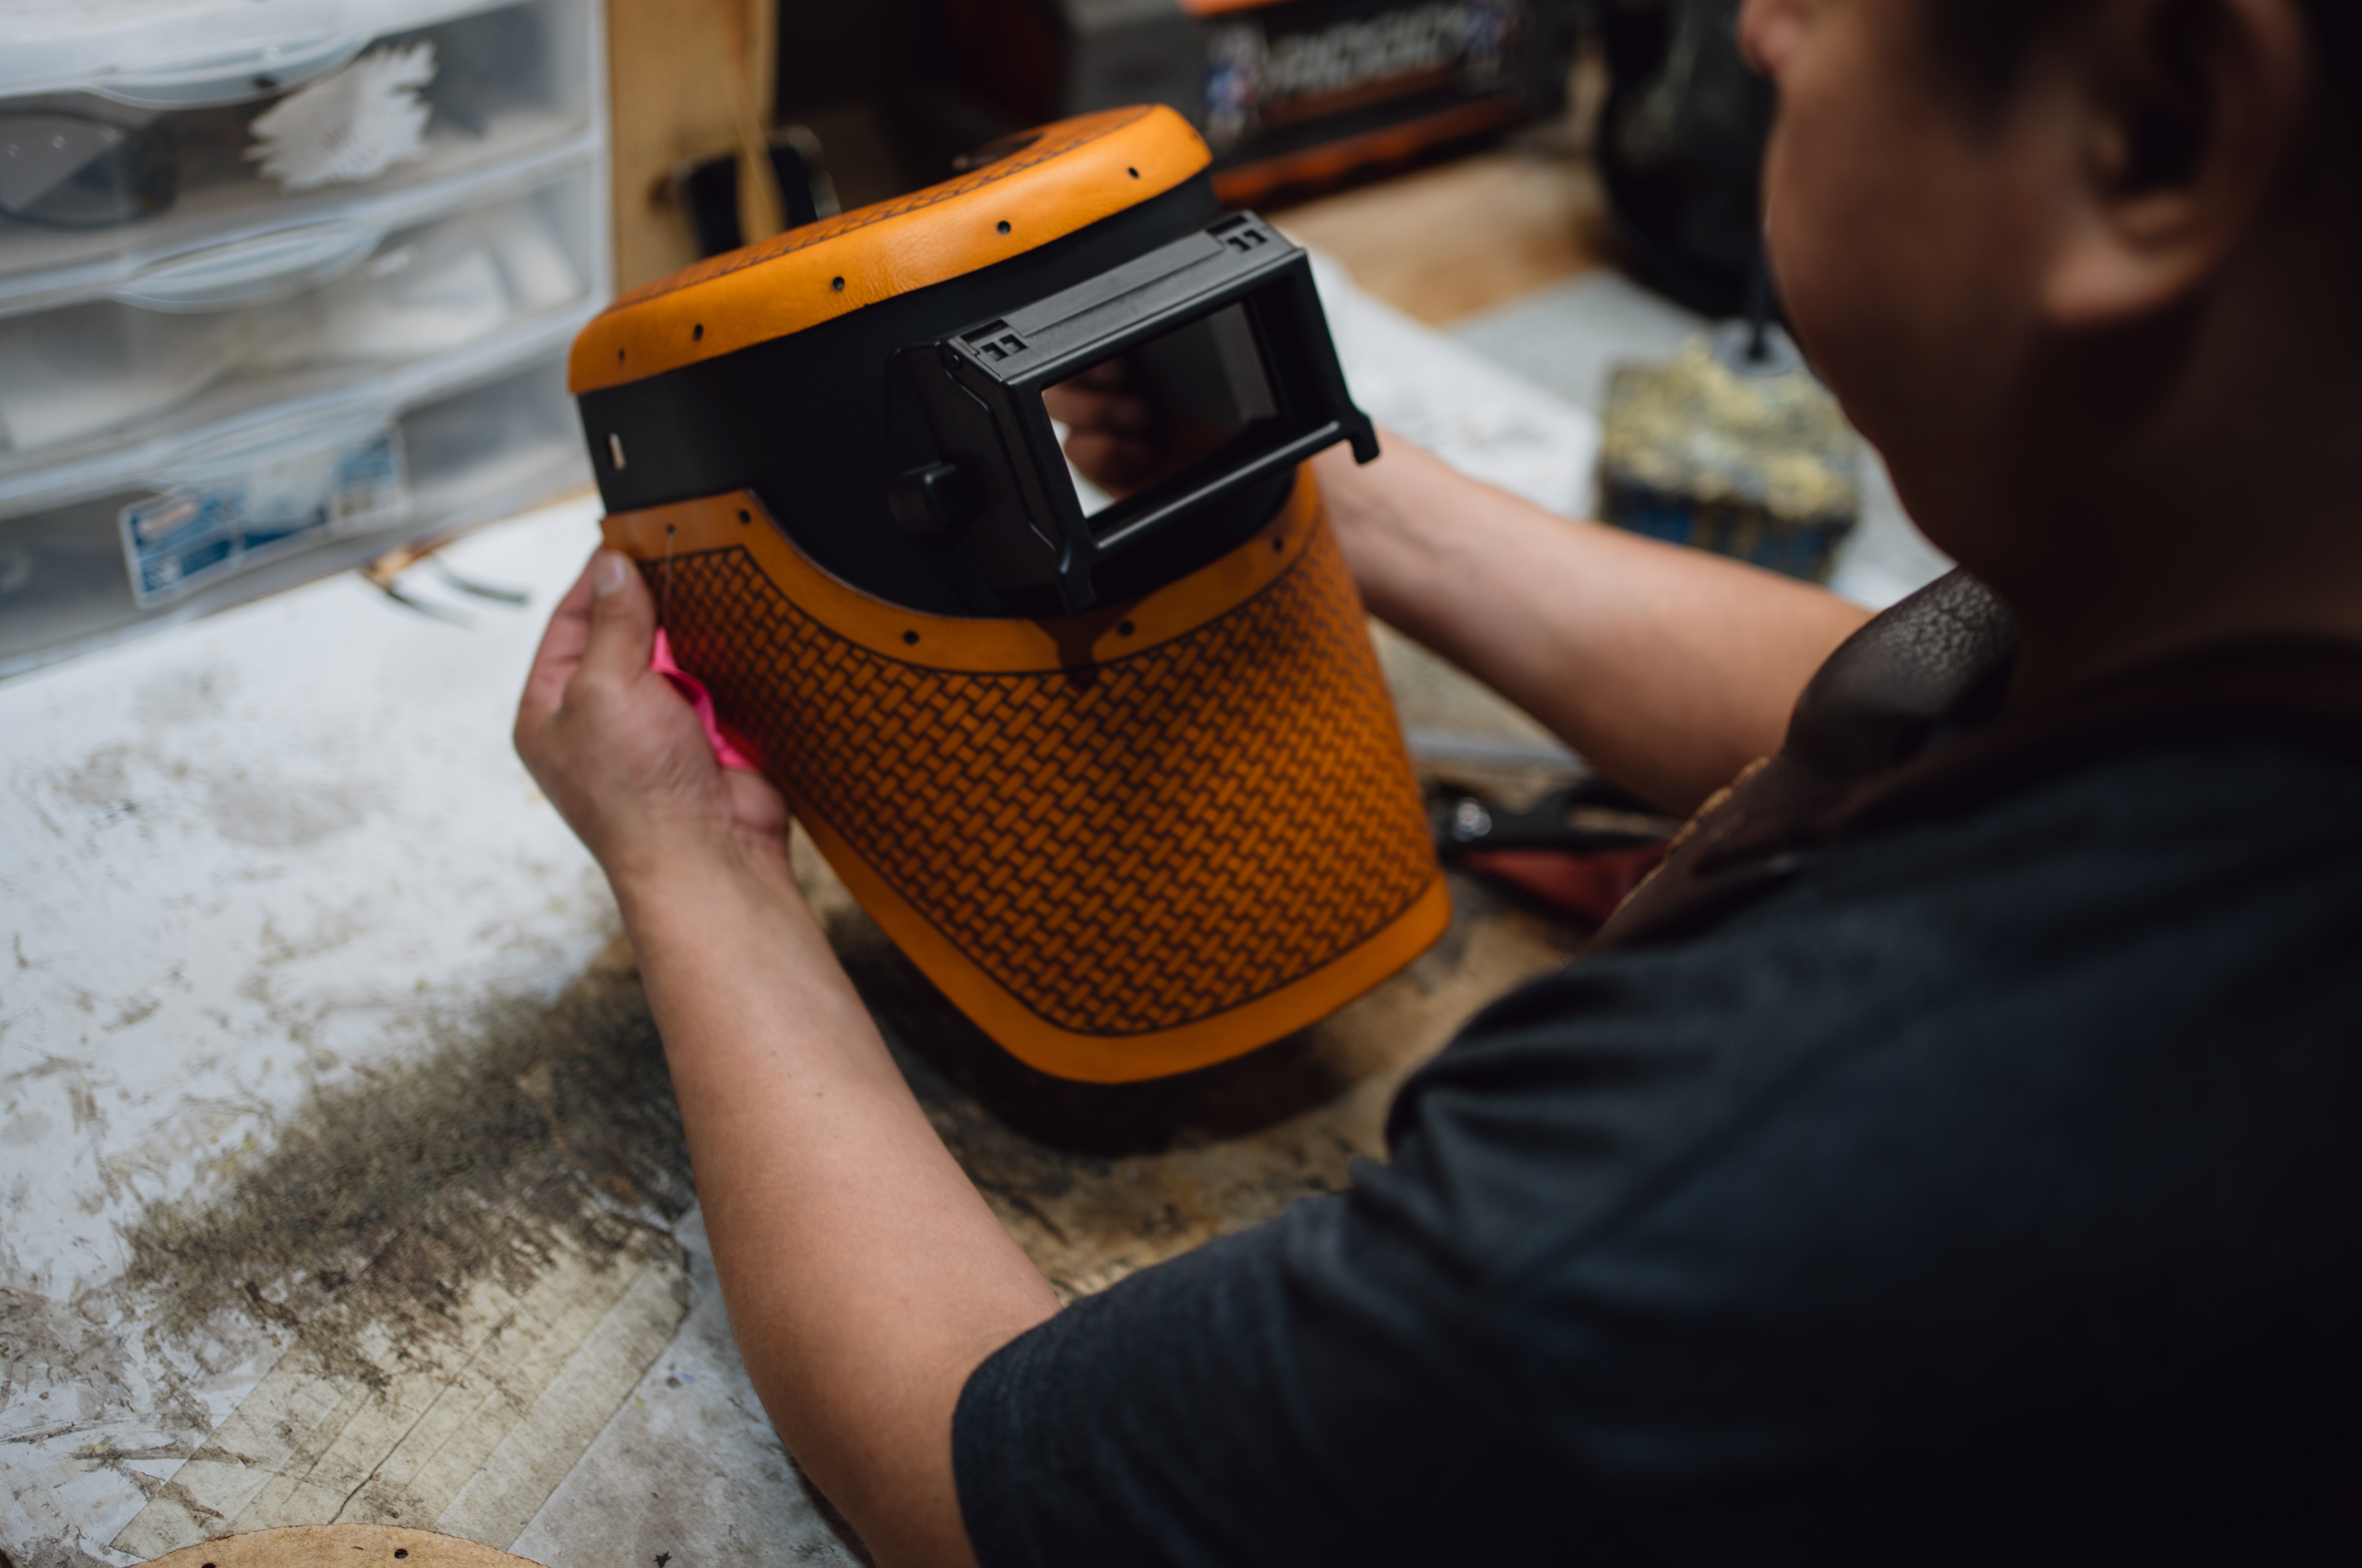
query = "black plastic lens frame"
x=1222 y=327
x=67 y=171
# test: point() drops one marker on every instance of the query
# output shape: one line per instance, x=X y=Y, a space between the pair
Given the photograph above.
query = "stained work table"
x=339 y=1177
x=316 y=1212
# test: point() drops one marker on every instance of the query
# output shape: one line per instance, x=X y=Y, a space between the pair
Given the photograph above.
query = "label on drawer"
x=196 y=533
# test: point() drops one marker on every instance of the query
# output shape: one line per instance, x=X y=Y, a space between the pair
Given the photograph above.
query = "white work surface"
x=275 y=897
x=284 y=853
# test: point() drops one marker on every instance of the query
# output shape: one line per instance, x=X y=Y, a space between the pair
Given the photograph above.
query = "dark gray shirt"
x=1988 y=1189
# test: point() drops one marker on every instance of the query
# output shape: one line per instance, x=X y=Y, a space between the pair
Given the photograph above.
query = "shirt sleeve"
x=1311 y=1389
x=1357 y=1378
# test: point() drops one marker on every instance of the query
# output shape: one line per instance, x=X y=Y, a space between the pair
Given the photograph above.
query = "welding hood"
x=1122 y=778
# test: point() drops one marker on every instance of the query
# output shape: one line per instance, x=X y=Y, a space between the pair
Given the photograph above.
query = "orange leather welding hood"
x=1126 y=784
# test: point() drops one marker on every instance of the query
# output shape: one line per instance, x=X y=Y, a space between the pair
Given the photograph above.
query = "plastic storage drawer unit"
x=131 y=134
x=326 y=490
x=110 y=380
x=282 y=283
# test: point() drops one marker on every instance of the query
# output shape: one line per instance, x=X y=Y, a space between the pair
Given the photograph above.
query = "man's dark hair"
x=1983 y=44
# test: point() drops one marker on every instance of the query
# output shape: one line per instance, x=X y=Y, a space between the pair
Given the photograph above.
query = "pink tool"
x=725 y=751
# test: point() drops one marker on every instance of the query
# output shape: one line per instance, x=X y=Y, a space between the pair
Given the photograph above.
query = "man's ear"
x=2189 y=116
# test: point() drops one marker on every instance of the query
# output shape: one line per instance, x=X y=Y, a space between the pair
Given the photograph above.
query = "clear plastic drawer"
x=313 y=494
x=293 y=316
x=124 y=146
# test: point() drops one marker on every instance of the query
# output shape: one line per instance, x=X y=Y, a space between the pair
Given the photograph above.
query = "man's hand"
x=1117 y=437
x=865 y=1276
x=623 y=756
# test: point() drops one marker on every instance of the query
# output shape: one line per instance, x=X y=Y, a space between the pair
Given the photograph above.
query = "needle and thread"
x=664 y=595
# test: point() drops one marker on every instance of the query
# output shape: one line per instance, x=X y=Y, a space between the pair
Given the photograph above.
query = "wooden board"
x=680 y=75
x=341 y=1546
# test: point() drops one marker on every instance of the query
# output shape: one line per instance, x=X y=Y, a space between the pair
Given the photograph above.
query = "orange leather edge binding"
x=1003 y=647
x=1099 y=1059
x=1076 y=172
x=953 y=643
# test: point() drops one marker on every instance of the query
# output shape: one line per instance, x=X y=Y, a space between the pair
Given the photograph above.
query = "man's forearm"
x=1668 y=669
x=863 y=1275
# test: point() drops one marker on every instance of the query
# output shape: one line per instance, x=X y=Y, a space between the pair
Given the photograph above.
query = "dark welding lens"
x=1205 y=383
x=73 y=171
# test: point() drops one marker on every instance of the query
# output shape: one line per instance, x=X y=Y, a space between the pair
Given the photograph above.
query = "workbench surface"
x=339 y=1177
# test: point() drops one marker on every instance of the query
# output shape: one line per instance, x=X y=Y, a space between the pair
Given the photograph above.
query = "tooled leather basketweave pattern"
x=1174 y=836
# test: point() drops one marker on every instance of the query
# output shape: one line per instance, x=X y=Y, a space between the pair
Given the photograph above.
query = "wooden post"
x=686 y=82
